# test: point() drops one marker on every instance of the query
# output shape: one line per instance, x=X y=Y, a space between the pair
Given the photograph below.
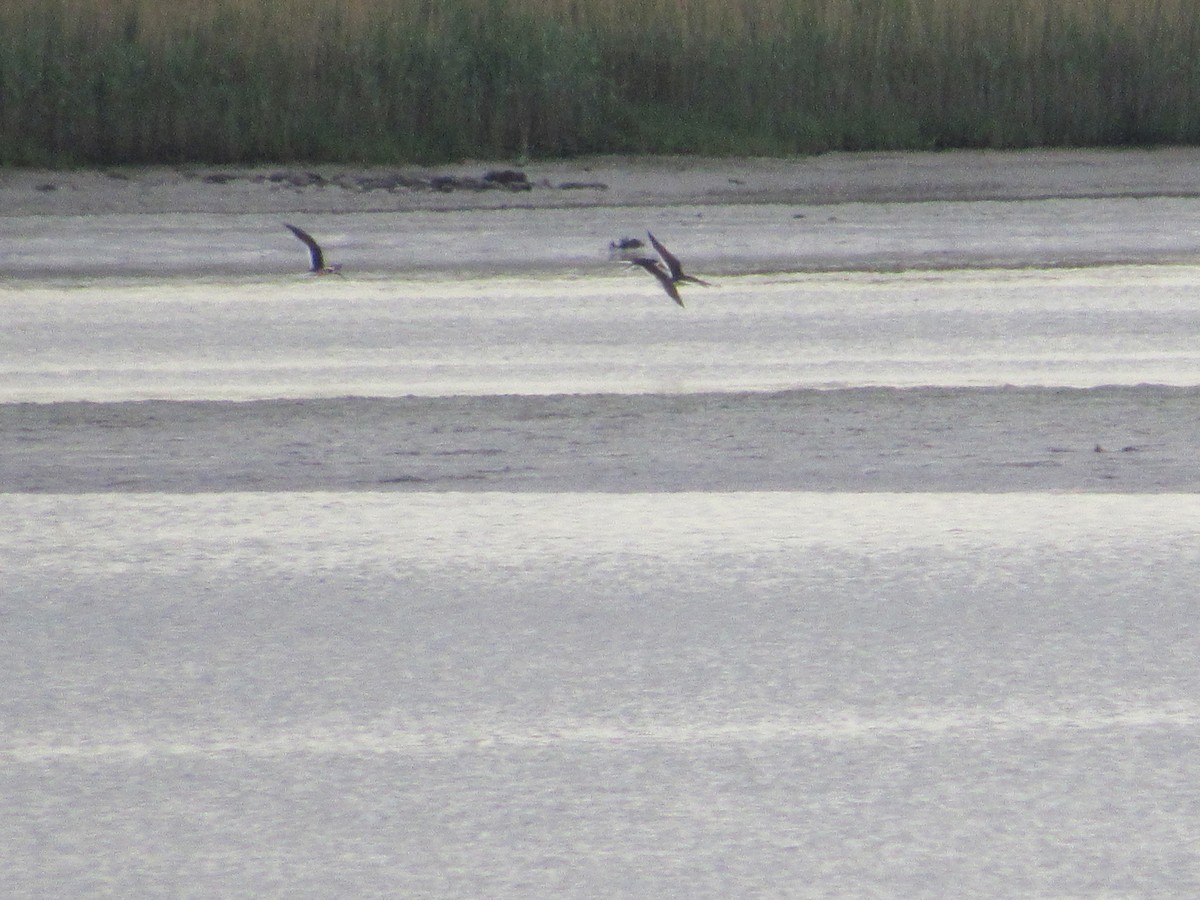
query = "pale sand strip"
x=608 y=181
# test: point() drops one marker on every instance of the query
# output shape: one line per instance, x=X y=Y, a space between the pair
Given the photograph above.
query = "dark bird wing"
x=654 y=267
x=314 y=249
x=669 y=258
x=673 y=264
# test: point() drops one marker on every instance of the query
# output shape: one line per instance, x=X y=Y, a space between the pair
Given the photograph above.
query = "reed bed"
x=142 y=81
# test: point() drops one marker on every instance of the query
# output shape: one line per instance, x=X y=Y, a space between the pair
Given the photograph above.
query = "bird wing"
x=314 y=249
x=669 y=258
x=654 y=267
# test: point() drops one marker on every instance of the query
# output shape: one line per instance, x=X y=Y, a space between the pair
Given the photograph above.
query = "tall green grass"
x=137 y=81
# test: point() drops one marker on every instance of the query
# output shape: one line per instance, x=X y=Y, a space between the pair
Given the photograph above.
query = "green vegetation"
x=145 y=81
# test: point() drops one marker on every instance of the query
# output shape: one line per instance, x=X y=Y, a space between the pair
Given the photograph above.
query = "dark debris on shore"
x=512 y=180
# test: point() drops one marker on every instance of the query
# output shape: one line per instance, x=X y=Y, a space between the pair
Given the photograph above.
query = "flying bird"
x=669 y=271
x=314 y=251
x=655 y=268
x=673 y=264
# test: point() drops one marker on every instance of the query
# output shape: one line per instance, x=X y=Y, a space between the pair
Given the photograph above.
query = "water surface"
x=488 y=571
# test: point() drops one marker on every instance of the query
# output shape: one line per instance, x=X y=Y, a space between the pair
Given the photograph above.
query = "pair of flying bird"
x=668 y=270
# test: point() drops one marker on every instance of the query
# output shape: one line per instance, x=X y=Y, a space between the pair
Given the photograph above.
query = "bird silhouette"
x=314 y=251
x=673 y=264
x=655 y=268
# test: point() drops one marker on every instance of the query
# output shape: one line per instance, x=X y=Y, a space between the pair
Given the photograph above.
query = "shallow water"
x=761 y=238
x=614 y=333
x=498 y=574
x=594 y=694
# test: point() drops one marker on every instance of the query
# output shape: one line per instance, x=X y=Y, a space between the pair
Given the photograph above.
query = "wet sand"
x=608 y=181
x=997 y=440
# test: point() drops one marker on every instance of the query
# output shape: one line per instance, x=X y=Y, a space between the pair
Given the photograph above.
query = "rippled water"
x=597 y=694
x=612 y=332
x=521 y=581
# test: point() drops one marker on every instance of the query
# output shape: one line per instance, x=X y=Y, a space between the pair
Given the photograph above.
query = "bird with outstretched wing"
x=673 y=264
x=655 y=268
x=319 y=267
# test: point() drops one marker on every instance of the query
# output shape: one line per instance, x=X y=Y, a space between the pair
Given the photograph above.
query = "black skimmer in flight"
x=314 y=251
x=655 y=268
x=673 y=264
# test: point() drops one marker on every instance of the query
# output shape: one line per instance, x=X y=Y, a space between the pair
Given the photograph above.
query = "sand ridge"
x=606 y=182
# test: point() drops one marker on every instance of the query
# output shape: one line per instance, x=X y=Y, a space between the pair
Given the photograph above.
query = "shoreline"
x=599 y=182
